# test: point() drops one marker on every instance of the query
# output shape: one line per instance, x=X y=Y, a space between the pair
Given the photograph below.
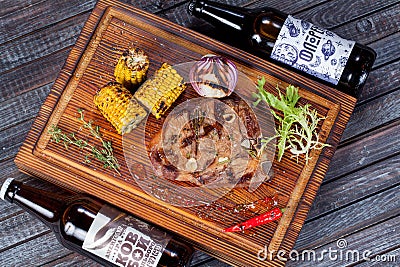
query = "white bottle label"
x=311 y=49
x=124 y=240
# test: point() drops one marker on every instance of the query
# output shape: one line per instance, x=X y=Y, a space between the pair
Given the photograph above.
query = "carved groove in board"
x=74 y=80
x=302 y=182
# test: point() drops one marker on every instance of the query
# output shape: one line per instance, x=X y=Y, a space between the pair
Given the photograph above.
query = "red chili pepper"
x=261 y=219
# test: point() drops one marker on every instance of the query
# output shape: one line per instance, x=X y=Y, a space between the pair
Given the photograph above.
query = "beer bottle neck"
x=220 y=15
x=46 y=206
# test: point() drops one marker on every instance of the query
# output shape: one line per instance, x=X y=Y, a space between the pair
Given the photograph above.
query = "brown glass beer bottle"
x=101 y=232
x=287 y=41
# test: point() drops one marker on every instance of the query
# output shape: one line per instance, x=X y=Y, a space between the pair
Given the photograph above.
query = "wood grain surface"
x=359 y=197
x=110 y=29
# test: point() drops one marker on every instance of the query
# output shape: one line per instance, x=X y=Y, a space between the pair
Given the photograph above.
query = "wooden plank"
x=13 y=7
x=204 y=260
x=41 y=43
x=368 y=181
x=200 y=258
x=34 y=252
x=9 y=169
x=72 y=260
x=377 y=145
x=332 y=14
x=25 y=17
x=40 y=15
x=20 y=227
x=32 y=74
x=291 y=7
x=212 y=263
x=352 y=249
x=12 y=138
x=388 y=258
x=7 y=212
x=381 y=81
x=154 y=6
x=373 y=27
x=387 y=49
x=345 y=221
x=373 y=114
x=23 y=107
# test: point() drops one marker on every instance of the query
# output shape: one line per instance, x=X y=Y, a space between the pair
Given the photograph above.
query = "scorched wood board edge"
x=111 y=28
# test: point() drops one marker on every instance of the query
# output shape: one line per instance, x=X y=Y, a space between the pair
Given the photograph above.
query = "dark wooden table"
x=357 y=208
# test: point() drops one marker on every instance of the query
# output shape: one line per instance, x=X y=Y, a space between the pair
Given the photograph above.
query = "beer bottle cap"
x=4 y=187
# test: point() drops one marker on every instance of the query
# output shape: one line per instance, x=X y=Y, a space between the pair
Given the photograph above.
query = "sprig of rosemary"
x=297 y=129
x=104 y=155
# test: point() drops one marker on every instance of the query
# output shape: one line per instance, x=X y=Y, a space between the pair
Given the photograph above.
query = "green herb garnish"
x=297 y=129
x=104 y=155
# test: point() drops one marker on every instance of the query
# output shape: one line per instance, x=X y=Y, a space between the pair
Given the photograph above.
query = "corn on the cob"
x=160 y=92
x=131 y=69
x=119 y=107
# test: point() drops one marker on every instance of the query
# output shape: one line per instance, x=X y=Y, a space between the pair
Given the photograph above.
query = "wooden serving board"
x=111 y=28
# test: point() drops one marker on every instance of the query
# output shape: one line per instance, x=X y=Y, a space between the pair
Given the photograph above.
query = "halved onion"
x=213 y=76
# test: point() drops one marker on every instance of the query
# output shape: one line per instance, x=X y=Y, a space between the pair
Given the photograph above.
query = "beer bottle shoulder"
x=77 y=218
x=357 y=69
x=268 y=23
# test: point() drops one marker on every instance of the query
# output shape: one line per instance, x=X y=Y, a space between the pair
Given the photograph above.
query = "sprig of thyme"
x=104 y=154
x=297 y=129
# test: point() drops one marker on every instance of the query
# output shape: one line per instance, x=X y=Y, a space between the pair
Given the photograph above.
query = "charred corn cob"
x=118 y=106
x=131 y=69
x=160 y=92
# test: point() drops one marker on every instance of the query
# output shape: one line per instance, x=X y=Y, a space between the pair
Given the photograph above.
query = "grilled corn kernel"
x=160 y=92
x=118 y=106
x=131 y=69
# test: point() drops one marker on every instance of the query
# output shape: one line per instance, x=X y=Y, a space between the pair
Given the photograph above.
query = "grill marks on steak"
x=196 y=145
x=247 y=116
x=159 y=161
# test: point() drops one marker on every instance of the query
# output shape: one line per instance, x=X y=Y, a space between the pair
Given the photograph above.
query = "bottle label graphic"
x=124 y=240
x=311 y=49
